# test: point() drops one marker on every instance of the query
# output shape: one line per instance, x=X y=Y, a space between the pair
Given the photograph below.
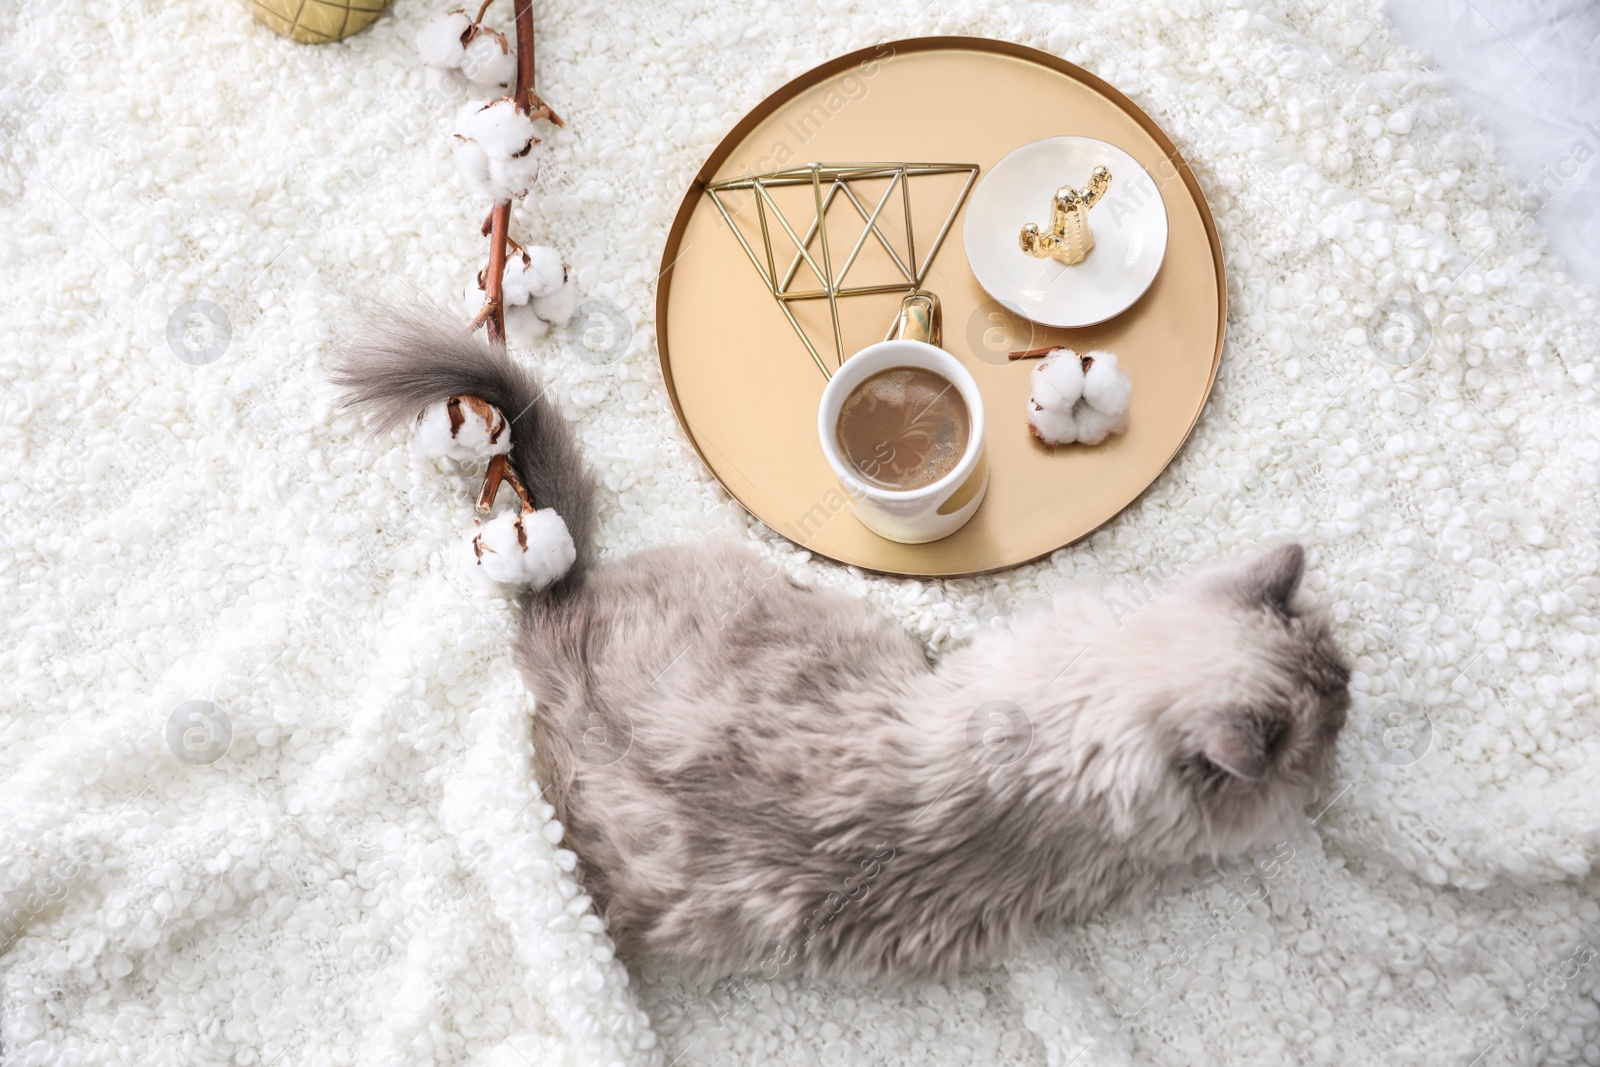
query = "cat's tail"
x=408 y=358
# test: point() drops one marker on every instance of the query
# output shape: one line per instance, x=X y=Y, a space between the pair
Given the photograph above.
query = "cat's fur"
x=757 y=775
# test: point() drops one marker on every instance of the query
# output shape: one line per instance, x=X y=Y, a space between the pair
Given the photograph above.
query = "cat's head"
x=1243 y=691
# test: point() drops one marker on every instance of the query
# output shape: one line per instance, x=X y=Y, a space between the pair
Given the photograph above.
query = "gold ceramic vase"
x=1070 y=240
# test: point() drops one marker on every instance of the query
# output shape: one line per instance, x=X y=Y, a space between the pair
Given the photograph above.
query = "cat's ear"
x=1272 y=577
x=1238 y=745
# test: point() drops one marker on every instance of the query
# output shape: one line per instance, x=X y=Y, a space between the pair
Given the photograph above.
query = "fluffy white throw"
x=266 y=795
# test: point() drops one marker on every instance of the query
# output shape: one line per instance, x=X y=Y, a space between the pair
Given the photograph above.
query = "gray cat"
x=761 y=776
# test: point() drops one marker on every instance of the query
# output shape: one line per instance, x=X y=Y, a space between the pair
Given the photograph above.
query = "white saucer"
x=1129 y=226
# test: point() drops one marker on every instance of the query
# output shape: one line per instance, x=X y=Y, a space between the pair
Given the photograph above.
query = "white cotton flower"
x=1106 y=392
x=524 y=326
x=538 y=271
x=1056 y=387
x=440 y=40
x=528 y=317
x=557 y=307
x=531 y=548
x=1069 y=404
x=490 y=67
x=498 y=127
x=494 y=149
x=516 y=173
x=473 y=163
x=464 y=429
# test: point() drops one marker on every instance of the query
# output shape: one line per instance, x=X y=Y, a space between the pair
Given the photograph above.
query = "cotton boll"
x=557 y=307
x=1094 y=427
x=473 y=163
x=464 y=429
x=500 y=80
x=523 y=548
x=1056 y=386
x=514 y=282
x=1053 y=426
x=545 y=264
x=498 y=127
x=1058 y=379
x=441 y=40
x=434 y=438
x=490 y=67
x=538 y=271
x=516 y=174
x=1106 y=391
x=523 y=326
x=542 y=271
x=505 y=138
x=1105 y=386
x=1078 y=398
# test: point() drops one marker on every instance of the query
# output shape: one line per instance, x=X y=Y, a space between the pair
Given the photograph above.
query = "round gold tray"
x=746 y=389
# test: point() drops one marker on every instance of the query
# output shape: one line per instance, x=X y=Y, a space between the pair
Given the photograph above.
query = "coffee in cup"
x=901 y=424
x=903 y=428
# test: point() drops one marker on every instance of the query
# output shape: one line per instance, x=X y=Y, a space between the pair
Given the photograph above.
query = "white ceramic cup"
x=910 y=516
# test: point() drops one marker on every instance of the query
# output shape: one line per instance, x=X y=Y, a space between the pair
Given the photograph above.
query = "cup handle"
x=919 y=318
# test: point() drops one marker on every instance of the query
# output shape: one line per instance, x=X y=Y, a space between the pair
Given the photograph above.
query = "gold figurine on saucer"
x=1069 y=240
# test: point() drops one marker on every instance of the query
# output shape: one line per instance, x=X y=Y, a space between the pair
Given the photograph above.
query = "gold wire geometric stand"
x=838 y=178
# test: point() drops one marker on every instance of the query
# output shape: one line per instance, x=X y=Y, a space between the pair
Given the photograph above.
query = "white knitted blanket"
x=351 y=864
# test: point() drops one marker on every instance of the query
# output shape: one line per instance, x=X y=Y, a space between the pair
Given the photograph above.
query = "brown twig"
x=483 y=314
x=527 y=98
x=498 y=466
x=521 y=490
x=494 y=282
x=500 y=470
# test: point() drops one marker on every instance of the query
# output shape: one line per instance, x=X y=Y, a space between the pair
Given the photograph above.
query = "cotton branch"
x=499 y=222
